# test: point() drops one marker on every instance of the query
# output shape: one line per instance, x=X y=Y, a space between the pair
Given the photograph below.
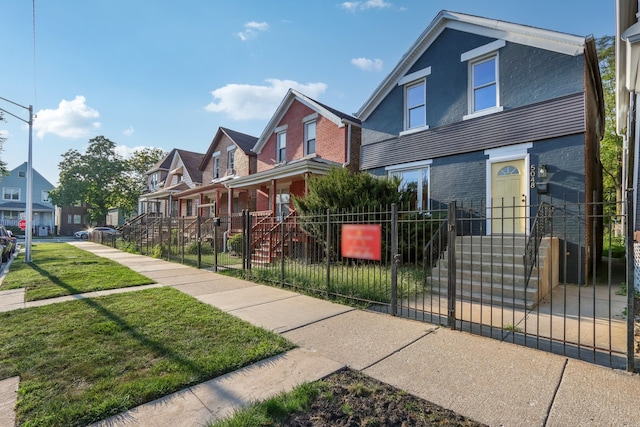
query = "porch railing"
x=542 y=226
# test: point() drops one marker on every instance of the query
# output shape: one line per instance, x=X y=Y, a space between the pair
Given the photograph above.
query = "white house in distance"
x=14 y=196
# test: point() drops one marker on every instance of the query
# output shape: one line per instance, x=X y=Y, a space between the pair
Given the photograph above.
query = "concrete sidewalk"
x=487 y=380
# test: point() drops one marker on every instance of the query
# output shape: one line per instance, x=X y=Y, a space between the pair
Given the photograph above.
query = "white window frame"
x=281 y=147
x=216 y=165
x=408 y=82
x=396 y=170
x=480 y=55
x=45 y=196
x=11 y=198
x=307 y=140
x=231 y=159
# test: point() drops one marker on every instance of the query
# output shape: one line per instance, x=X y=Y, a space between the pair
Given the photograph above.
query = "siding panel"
x=549 y=119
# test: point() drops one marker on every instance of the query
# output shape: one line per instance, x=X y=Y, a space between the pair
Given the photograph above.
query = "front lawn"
x=85 y=360
x=59 y=269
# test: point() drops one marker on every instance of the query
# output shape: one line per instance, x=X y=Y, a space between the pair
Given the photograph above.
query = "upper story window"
x=154 y=180
x=416 y=105
x=484 y=79
x=281 y=147
x=22 y=174
x=484 y=91
x=415 y=100
x=231 y=161
x=9 y=193
x=45 y=197
x=216 y=167
x=309 y=138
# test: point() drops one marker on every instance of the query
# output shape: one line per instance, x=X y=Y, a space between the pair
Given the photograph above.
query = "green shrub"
x=235 y=243
x=205 y=249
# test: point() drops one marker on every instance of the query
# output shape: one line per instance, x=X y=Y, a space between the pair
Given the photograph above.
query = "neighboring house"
x=477 y=102
x=627 y=87
x=229 y=157
x=70 y=219
x=303 y=138
x=14 y=197
x=182 y=174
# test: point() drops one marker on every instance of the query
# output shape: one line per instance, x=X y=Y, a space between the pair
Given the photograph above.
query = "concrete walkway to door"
x=492 y=382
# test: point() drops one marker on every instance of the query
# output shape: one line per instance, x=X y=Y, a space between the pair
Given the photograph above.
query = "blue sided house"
x=501 y=118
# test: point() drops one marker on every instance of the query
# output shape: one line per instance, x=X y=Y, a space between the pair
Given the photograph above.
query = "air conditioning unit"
x=231 y=171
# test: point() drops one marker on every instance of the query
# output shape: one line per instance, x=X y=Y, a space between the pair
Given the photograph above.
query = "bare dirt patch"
x=354 y=399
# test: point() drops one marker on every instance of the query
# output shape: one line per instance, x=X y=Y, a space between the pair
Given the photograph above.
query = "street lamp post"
x=29 y=203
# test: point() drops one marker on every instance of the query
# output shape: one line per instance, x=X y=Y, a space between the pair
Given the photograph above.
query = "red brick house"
x=303 y=138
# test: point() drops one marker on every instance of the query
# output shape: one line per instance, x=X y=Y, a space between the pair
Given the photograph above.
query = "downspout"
x=348 y=159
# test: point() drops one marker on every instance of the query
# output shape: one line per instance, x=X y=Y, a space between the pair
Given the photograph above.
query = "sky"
x=167 y=74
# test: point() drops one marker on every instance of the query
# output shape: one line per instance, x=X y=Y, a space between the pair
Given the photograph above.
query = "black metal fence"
x=559 y=286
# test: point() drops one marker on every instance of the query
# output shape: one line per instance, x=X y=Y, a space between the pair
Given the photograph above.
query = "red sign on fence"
x=22 y=224
x=362 y=241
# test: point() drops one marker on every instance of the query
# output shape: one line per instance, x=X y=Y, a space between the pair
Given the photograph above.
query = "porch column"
x=216 y=211
x=273 y=196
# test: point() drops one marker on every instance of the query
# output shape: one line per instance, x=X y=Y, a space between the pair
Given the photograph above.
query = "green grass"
x=367 y=282
x=276 y=409
x=82 y=361
x=59 y=269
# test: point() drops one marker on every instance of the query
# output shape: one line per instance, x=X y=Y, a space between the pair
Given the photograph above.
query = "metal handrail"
x=436 y=246
x=542 y=225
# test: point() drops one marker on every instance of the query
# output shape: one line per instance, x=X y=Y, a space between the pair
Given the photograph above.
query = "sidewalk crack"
x=555 y=393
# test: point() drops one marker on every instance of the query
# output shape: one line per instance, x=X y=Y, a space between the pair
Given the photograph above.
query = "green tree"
x=133 y=181
x=342 y=189
x=611 y=144
x=92 y=178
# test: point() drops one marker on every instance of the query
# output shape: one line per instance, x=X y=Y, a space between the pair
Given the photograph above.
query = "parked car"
x=14 y=241
x=84 y=234
x=5 y=242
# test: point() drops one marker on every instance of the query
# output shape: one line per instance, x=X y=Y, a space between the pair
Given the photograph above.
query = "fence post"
x=395 y=259
x=198 y=240
x=182 y=240
x=249 y=239
x=631 y=288
x=282 y=225
x=328 y=253
x=215 y=245
x=451 y=251
x=170 y=231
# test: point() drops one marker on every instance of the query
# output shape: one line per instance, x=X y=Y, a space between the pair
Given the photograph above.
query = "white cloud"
x=129 y=131
x=126 y=152
x=251 y=102
x=5 y=133
x=72 y=119
x=353 y=6
x=367 y=64
x=251 y=30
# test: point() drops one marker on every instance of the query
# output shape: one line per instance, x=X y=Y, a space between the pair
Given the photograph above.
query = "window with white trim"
x=309 y=138
x=231 y=160
x=45 y=197
x=415 y=105
x=415 y=182
x=281 y=147
x=216 y=167
x=10 y=193
x=484 y=84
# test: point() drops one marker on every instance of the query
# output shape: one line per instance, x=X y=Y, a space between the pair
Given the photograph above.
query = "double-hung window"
x=484 y=83
x=281 y=147
x=9 y=193
x=415 y=100
x=309 y=138
x=216 y=165
x=231 y=160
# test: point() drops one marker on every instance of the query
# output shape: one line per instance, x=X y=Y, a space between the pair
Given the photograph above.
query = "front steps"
x=490 y=270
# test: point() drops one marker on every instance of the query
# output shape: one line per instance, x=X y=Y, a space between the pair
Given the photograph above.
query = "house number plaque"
x=532 y=177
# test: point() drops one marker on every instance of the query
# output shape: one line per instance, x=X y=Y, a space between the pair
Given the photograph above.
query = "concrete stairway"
x=490 y=270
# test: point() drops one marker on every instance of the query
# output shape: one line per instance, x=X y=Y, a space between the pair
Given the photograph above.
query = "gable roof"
x=164 y=163
x=337 y=117
x=522 y=34
x=190 y=161
x=243 y=141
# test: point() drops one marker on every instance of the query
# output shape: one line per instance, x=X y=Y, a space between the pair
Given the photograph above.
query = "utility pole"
x=29 y=203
